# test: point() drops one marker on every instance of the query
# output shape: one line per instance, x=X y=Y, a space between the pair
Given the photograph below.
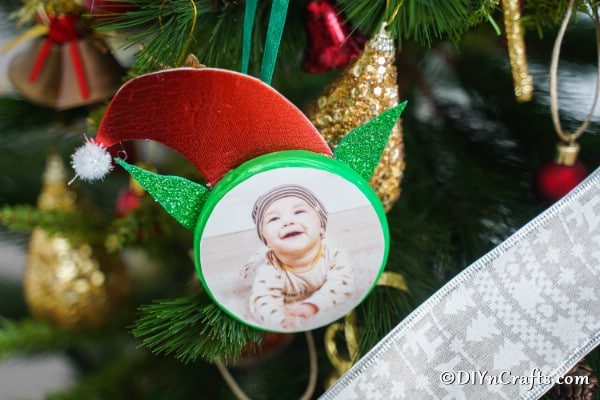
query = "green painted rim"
x=285 y=159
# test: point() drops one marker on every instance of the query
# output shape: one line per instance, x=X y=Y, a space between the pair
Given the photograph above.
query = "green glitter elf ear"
x=181 y=198
x=372 y=136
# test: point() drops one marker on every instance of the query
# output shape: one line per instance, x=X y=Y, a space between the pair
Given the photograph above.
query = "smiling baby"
x=301 y=275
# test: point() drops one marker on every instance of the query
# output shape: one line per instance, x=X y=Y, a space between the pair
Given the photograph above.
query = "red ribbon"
x=62 y=30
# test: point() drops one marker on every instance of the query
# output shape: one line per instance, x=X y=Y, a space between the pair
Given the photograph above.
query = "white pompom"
x=91 y=161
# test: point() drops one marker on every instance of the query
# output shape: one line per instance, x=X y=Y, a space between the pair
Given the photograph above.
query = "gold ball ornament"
x=67 y=284
x=364 y=89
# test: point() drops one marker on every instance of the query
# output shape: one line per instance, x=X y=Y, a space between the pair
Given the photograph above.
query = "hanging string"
x=312 y=378
x=273 y=39
x=249 y=16
x=568 y=137
x=394 y=13
x=274 y=33
x=184 y=51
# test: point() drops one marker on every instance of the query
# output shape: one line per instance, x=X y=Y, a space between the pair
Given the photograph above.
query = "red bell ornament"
x=558 y=177
x=331 y=43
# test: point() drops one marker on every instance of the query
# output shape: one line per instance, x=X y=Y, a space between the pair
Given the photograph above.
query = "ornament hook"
x=570 y=138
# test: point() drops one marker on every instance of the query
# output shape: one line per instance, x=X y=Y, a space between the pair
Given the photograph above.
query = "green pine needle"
x=107 y=383
x=140 y=225
x=29 y=336
x=376 y=321
x=167 y=30
x=542 y=14
x=69 y=224
x=19 y=115
x=421 y=21
x=192 y=327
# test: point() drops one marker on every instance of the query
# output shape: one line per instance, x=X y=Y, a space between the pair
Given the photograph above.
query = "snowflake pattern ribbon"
x=528 y=310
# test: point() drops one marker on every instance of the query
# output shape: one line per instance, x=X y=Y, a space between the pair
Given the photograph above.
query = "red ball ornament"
x=271 y=344
x=130 y=197
x=127 y=200
x=331 y=42
x=558 y=177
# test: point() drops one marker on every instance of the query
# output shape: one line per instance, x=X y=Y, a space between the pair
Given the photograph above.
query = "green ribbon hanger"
x=273 y=40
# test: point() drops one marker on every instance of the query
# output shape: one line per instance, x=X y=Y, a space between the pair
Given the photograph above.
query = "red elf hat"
x=216 y=118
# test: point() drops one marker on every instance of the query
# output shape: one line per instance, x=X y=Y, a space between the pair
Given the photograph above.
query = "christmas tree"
x=104 y=279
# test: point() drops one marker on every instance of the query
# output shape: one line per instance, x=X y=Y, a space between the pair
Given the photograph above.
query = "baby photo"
x=299 y=256
x=300 y=275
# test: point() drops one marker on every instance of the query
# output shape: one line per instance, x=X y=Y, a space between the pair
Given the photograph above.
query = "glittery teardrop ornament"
x=365 y=89
x=67 y=284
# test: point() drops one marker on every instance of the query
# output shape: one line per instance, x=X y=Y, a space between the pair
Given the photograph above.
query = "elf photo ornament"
x=288 y=234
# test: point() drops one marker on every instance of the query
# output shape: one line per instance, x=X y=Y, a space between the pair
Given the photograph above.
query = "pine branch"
x=542 y=14
x=170 y=30
x=69 y=224
x=29 y=336
x=140 y=225
x=20 y=119
x=192 y=327
x=166 y=30
x=16 y=113
x=417 y=20
x=421 y=251
x=375 y=321
x=106 y=383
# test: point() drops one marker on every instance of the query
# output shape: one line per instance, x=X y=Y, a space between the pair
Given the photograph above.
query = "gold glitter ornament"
x=365 y=89
x=69 y=285
x=523 y=81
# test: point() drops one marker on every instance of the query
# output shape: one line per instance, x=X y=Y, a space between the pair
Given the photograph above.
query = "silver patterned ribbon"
x=507 y=327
